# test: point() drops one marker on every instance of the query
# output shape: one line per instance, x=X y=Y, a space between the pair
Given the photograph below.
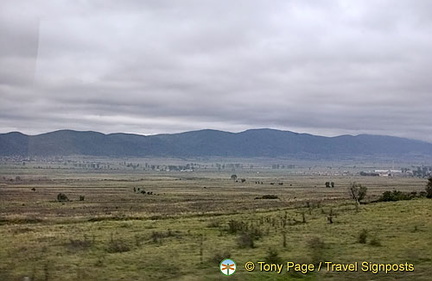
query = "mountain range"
x=203 y=143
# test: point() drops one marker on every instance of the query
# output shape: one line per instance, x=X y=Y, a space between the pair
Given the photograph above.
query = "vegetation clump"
x=316 y=248
x=220 y=256
x=362 y=238
x=80 y=244
x=331 y=216
x=429 y=188
x=246 y=240
x=117 y=246
x=61 y=197
x=157 y=236
x=396 y=195
x=329 y=184
x=273 y=256
x=214 y=224
x=268 y=196
x=235 y=226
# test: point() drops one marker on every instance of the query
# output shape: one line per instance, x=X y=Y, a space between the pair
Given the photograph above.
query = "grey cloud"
x=329 y=67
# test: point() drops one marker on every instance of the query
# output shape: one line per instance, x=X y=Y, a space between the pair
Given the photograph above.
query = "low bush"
x=362 y=238
x=220 y=256
x=273 y=257
x=214 y=224
x=268 y=196
x=61 y=197
x=80 y=244
x=157 y=236
x=246 y=240
x=315 y=243
x=235 y=226
x=396 y=195
x=117 y=246
x=316 y=248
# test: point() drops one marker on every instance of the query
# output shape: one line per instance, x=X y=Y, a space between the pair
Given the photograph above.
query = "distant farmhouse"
x=386 y=173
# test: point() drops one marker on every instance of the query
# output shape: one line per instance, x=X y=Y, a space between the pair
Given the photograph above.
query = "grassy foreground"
x=191 y=247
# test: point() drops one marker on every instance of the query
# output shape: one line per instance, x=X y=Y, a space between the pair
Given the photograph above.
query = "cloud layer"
x=322 y=67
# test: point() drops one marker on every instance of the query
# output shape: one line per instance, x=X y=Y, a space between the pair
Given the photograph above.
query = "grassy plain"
x=194 y=219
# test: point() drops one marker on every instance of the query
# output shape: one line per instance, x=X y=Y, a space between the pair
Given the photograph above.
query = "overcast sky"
x=146 y=67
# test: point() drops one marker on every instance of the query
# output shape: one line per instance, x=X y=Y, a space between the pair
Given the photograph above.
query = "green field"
x=191 y=220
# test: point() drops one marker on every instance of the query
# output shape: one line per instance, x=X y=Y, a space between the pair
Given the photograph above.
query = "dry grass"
x=116 y=233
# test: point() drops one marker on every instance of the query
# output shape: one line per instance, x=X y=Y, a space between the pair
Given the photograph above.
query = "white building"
x=388 y=173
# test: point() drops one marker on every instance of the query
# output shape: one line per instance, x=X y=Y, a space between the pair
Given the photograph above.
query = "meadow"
x=124 y=222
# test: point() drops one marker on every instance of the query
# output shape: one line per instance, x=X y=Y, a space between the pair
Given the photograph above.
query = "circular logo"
x=227 y=267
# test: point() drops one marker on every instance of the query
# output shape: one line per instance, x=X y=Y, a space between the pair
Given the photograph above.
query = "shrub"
x=268 y=196
x=157 y=236
x=79 y=244
x=363 y=236
x=220 y=256
x=245 y=240
x=61 y=197
x=396 y=195
x=214 y=224
x=138 y=239
x=236 y=226
x=117 y=246
x=330 y=216
x=256 y=233
x=272 y=256
x=315 y=243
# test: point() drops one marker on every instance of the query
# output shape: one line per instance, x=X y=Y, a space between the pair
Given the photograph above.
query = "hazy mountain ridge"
x=250 y=143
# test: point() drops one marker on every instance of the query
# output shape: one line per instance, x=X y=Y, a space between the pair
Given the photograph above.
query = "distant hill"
x=250 y=143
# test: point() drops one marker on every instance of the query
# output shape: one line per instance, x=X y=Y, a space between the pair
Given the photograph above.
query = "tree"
x=429 y=188
x=233 y=177
x=357 y=192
